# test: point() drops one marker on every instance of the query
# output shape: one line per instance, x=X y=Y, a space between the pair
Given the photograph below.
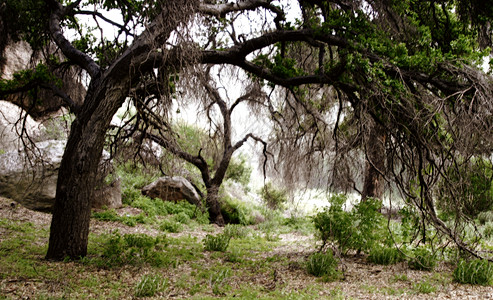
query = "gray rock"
x=30 y=179
x=172 y=189
x=13 y=120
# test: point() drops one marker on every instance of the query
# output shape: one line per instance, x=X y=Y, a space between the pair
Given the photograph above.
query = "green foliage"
x=385 y=256
x=182 y=218
x=424 y=287
x=423 y=259
x=133 y=249
x=485 y=217
x=474 y=181
x=239 y=170
x=410 y=227
x=359 y=229
x=235 y=231
x=219 y=242
x=474 y=272
x=281 y=66
x=129 y=220
x=236 y=212
x=27 y=20
x=488 y=230
x=133 y=178
x=272 y=197
x=170 y=226
x=323 y=265
x=28 y=79
x=149 y=285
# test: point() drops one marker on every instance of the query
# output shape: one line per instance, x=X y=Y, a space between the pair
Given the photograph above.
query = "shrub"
x=473 y=178
x=474 y=272
x=219 y=242
x=235 y=212
x=359 y=229
x=423 y=259
x=323 y=265
x=384 y=256
x=149 y=285
x=272 y=197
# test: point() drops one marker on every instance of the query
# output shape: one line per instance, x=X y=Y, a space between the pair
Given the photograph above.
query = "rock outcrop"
x=13 y=122
x=172 y=189
x=30 y=178
x=19 y=56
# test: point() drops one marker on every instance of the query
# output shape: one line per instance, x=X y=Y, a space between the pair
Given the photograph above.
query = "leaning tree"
x=409 y=67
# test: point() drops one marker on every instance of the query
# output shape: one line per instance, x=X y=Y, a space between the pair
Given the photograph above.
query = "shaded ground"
x=271 y=268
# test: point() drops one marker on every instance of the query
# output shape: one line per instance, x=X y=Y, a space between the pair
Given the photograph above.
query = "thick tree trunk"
x=213 y=205
x=373 y=186
x=77 y=175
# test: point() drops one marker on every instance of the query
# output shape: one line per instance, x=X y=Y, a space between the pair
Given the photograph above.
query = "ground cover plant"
x=143 y=261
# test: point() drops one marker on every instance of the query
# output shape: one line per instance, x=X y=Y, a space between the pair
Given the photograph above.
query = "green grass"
x=424 y=287
x=385 y=256
x=478 y=272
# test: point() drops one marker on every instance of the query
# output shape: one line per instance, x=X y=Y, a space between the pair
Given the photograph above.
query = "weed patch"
x=477 y=271
x=323 y=265
x=219 y=242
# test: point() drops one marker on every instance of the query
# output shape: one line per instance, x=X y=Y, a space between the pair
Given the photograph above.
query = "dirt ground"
x=362 y=280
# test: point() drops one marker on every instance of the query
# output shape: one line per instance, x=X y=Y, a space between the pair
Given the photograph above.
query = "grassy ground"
x=264 y=262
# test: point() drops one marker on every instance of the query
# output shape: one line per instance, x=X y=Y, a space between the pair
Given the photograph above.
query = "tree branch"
x=80 y=58
x=101 y=16
x=220 y=10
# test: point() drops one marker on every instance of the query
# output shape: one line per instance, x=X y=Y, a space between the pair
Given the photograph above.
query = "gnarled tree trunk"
x=213 y=205
x=77 y=175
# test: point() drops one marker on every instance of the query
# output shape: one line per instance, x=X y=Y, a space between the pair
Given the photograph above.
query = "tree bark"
x=373 y=186
x=77 y=175
x=214 y=206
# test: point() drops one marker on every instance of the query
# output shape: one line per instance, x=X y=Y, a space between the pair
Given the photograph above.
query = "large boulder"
x=14 y=121
x=172 y=189
x=30 y=178
x=19 y=56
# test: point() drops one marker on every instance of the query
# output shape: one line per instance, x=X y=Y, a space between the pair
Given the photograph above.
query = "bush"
x=359 y=229
x=474 y=272
x=323 y=265
x=235 y=212
x=423 y=259
x=473 y=178
x=149 y=285
x=272 y=197
x=384 y=256
x=219 y=242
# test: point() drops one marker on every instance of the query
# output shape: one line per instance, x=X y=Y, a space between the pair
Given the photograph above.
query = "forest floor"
x=255 y=267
